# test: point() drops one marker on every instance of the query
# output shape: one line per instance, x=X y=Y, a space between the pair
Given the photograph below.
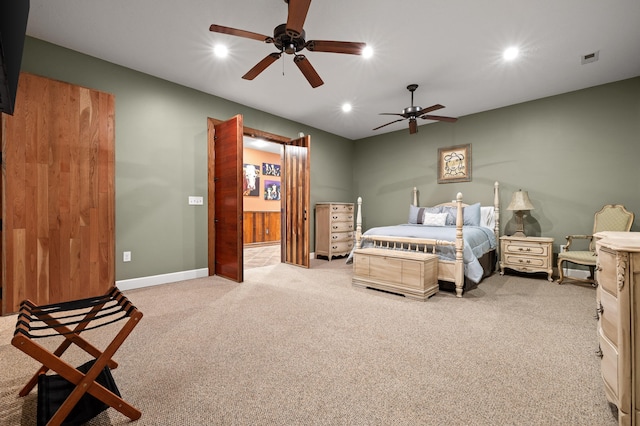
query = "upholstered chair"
x=610 y=218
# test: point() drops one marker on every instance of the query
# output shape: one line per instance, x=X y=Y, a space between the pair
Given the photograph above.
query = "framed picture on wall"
x=251 y=180
x=454 y=164
x=272 y=190
x=269 y=169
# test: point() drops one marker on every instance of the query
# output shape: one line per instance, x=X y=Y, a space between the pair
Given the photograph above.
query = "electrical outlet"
x=195 y=200
x=126 y=256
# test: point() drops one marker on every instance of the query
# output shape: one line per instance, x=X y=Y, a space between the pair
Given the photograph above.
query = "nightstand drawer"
x=525 y=248
x=524 y=261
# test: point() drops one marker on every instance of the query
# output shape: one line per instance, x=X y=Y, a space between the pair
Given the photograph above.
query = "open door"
x=296 y=182
x=225 y=198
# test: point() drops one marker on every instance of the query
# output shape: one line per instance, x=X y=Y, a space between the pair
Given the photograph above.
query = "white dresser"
x=618 y=305
x=334 y=229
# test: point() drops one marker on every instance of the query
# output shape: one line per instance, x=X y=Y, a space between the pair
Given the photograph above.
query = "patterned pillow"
x=416 y=214
x=435 y=219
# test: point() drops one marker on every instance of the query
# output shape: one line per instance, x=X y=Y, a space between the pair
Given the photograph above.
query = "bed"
x=463 y=236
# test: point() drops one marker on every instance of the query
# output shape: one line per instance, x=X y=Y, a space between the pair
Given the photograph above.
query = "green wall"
x=161 y=158
x=573 y=153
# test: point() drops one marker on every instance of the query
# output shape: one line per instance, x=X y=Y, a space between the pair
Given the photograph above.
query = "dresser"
x=617 y=304
x=334 y=229
x=527 y=254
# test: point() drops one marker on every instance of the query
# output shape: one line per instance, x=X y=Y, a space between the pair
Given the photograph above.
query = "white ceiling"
x=451 y=48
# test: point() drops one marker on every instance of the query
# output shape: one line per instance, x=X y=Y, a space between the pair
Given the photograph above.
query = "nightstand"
x=527 y=254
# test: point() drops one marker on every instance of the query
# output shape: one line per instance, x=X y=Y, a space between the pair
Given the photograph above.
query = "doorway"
x=225 y=196
x=262 y=204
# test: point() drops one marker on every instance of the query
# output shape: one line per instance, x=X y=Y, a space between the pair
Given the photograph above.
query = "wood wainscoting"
x=261 y=227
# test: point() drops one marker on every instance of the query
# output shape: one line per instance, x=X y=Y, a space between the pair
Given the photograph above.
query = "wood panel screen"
x=58 y=191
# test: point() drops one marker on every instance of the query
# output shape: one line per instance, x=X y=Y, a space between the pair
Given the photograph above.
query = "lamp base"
x=519 y=225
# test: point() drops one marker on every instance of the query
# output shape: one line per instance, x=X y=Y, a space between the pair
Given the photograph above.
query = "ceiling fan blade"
x=309 y=72
x=240 y=33
x=439 y=118
x=431 y=108
x=261 y=66
x=394 y=113
x=413 y=126
x=296 y=16
x=394 y=121
x=348 y=47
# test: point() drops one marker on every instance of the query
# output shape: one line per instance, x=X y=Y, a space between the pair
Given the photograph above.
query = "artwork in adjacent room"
x=269 y=169
x=454 y=164
x=272 y=190
x=251 y=183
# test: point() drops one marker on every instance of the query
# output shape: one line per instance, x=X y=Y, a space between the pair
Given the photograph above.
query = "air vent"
x=590 y=57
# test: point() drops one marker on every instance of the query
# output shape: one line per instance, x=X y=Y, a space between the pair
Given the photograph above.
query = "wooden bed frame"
x=448 y=270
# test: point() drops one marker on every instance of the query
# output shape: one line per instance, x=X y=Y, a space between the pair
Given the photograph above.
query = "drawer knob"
x=599 y=353
x=599 y=311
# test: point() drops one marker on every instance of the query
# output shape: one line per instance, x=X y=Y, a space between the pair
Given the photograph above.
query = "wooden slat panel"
x=59 y=178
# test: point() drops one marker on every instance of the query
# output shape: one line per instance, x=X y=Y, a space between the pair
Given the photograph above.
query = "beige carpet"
x=292 y=346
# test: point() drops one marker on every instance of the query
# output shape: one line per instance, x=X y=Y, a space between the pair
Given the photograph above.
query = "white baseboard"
x=172 y=277
x=577 y=273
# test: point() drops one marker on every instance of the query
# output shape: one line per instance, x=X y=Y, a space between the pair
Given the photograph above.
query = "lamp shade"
x=520 y=201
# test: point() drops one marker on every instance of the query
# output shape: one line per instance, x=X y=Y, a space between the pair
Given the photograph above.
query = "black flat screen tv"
x=13 y=28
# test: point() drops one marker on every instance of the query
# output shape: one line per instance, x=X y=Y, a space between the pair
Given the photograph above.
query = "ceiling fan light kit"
x=290 y=38
x=413 y=112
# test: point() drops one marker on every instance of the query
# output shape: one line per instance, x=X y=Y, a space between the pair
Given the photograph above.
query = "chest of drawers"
x=334 y=229
x=617 y=302
x=527 y=254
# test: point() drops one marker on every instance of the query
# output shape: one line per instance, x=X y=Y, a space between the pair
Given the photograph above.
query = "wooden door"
x=225 y=198
x=58 y=193
x=296 y=182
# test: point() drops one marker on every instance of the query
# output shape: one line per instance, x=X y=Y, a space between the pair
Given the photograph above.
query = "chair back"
x=612 y=218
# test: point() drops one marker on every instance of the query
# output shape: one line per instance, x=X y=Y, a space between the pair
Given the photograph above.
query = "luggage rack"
x=75 y=395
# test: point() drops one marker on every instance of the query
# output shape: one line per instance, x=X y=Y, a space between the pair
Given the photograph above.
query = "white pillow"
x=487 y=217
x=434 y=219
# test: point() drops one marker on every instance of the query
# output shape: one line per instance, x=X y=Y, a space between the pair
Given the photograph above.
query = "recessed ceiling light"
x=510 y=54
x=367 y=52
x=346 y=107
x=220 y=50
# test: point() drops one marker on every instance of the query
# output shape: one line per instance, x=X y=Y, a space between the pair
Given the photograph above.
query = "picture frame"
x=272 y=190
x=454 y=164
x=270 y=169
x=251 y=180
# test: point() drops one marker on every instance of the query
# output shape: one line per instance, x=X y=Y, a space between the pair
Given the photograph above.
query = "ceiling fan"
x=414 y=112
x=290 y=38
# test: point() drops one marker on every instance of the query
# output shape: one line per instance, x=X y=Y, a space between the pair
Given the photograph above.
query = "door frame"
x=254 y=133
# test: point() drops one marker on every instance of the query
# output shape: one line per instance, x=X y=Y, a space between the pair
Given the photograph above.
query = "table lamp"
x=520 y=203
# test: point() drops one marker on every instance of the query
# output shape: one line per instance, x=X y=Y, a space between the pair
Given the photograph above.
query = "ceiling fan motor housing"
x=285 y=43
x=412 y=110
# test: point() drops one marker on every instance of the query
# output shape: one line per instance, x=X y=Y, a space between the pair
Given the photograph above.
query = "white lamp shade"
x=520 y=201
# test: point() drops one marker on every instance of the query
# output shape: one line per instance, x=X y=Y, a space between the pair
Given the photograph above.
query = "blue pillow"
x=470 y=214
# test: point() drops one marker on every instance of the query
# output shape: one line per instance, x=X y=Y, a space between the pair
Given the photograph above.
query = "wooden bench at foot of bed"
x=412 y=274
